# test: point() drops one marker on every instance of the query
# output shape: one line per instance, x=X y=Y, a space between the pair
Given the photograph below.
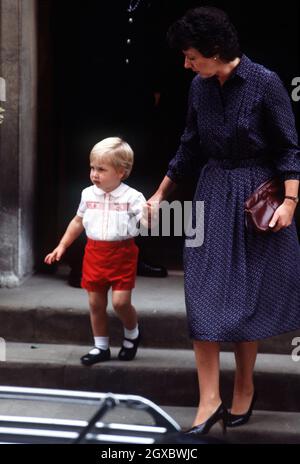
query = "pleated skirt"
x=239 y=285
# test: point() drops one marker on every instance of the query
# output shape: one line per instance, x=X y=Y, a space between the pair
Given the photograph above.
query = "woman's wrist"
x=293 y=198
x=291 y=190
x=160 y=195
x=291 y=204
x=165 y=189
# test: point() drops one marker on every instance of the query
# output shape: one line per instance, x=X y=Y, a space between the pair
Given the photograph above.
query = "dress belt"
x=231 y=163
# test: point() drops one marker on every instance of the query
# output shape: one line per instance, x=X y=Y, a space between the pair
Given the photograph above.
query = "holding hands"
x=151 y=208
x=150 y=212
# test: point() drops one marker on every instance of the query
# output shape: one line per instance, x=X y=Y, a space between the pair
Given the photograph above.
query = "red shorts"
x=108 y=264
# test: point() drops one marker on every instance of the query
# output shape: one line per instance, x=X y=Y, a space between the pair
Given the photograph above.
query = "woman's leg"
x=98 y=314
x=121 y=301
x=208 y=368
x=245 y=357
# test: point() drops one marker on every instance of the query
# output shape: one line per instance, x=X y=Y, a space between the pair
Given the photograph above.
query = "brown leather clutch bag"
x=261 y=205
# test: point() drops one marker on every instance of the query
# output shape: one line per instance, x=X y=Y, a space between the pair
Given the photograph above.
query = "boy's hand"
x=150 y=215
x=56 y=254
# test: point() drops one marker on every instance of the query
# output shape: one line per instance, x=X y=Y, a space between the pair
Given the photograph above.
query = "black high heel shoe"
x=235 y=420
x=221 y=414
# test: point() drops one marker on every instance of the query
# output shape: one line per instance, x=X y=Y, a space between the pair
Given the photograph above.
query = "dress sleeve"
x=280 y=121
x=82 y=207
x=187 y=157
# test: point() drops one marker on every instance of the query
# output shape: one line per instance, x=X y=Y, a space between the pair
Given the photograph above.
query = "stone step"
x=46 y=310
x=164 y=376
x=264 y=427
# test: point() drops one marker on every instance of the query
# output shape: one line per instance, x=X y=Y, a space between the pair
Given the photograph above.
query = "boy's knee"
x=97 y=306
x=120 y=305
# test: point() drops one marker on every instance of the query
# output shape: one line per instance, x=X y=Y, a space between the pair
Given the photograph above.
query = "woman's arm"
x=150 y=212
x=281 y=126
x=74 y=229
x=189 y=157
x=165 y=189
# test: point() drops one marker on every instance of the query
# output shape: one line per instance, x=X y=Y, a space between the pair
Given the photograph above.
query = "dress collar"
x=242 y=70
x=117 y=192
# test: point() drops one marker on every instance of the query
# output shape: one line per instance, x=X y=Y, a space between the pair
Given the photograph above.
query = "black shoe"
x=127 y=354
x=89 y=359
x=151 y=270
x=221 y=414
x=234 y=420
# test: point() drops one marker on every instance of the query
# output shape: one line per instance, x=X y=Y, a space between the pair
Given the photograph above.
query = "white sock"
x=131 y=334
x=102 y=343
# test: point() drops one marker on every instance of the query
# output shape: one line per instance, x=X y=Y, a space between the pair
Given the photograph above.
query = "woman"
x=240 y=286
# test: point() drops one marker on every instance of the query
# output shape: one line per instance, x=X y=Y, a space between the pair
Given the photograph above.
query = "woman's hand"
x=283 y=215
x=166 y=187
x=56 y=254
x=155 y=199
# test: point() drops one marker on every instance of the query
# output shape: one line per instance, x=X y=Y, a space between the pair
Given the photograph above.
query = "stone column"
x=18 y=67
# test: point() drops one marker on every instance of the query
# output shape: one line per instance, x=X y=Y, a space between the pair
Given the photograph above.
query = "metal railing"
x=31 y=429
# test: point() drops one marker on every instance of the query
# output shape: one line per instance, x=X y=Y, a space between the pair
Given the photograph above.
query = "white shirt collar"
x=117 y=192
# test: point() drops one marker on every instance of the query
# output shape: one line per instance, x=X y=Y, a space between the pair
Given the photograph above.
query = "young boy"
x=109 y=212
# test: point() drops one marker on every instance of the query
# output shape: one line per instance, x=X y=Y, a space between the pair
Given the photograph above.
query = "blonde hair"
x=115 y=151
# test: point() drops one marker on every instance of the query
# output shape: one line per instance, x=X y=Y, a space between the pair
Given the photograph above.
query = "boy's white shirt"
x=111 y=216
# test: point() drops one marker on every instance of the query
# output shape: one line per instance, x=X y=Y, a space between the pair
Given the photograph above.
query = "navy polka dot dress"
x=239 y=285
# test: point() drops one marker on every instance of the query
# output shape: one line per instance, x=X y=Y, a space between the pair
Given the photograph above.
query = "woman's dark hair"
x=208 y=30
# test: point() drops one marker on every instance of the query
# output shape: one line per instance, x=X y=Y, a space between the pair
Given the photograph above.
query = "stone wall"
x=18 y=66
